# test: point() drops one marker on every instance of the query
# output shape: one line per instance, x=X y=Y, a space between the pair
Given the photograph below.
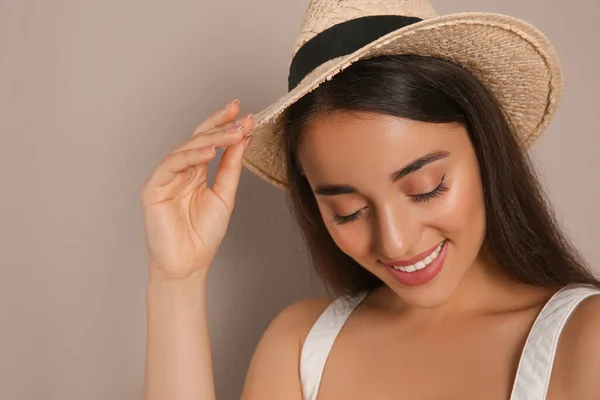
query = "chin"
x=430 y=295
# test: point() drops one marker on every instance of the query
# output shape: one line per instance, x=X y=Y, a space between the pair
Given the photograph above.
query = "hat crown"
x=323 y=14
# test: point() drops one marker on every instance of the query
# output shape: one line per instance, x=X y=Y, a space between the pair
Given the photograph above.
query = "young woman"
x=403 y=150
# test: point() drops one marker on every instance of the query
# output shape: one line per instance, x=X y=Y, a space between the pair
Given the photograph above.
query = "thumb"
x=230 y=168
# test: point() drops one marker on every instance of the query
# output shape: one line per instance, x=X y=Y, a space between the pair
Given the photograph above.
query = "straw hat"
x=511 y=57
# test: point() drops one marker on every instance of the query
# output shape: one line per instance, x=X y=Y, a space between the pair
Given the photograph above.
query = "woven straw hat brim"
x=510 y=56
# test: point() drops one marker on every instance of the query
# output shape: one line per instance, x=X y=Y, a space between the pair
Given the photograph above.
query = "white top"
x=535 y=366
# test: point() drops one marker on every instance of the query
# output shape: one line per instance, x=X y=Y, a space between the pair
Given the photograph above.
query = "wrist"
x=192 y=287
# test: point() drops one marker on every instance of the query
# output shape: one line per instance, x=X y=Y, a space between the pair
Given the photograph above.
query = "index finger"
x=219 y=118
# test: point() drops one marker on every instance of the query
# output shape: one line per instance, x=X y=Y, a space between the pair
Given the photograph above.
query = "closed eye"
x=417 y=198
x=437 y=192
x=343 y=219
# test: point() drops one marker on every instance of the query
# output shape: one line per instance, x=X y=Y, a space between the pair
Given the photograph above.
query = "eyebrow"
x=334 y=190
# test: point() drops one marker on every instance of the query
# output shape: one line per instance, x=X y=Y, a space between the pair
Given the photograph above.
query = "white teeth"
x=422 y=264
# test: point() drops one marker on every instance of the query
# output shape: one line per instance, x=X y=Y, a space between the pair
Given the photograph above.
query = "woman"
x=403 y=156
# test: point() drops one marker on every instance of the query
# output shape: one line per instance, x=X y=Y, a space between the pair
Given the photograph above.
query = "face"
x=402 y=198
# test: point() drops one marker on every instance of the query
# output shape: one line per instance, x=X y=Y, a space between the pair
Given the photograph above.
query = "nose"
x=396 y=232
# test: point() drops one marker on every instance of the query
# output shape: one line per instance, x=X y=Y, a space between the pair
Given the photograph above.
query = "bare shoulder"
x=274 y=372
x=582 y=332
x=299 y=317
x=578 y=355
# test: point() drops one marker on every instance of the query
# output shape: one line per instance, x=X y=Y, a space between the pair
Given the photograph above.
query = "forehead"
x=341 y=147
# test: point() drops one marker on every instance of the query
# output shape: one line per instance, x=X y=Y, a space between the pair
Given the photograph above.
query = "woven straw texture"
x=511 y=57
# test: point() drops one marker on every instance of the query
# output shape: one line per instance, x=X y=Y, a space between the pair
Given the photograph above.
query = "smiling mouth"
x=424 y=262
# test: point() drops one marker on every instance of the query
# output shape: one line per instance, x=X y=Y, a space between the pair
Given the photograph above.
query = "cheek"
x=461 y=212
x=351 y=239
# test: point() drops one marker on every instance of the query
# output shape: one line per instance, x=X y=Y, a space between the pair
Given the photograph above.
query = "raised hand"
x=185 y=220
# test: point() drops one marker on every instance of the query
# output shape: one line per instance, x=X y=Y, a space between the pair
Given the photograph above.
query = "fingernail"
x=208 y=149
x=234 y=128
x=241 y=120
x=233 y=102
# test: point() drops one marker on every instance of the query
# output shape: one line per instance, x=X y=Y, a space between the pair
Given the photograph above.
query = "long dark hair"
x=522 y=233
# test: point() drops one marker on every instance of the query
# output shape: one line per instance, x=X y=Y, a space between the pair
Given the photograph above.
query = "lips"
x=412 y=260
x=413 y=277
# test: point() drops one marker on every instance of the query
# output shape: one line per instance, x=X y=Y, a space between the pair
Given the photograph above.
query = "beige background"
x=94 y=93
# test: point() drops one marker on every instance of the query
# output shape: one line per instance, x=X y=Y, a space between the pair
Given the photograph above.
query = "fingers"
x=179 y=162
x=218 y=137
x=230 y=168
x=215 y=131
x=219 y=117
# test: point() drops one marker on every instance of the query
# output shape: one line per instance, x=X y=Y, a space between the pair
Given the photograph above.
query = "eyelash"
x=417 y=198
x=437 y=192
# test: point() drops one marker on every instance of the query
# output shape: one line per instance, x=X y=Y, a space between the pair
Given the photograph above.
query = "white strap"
x=319 y=342
x=535 y=366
